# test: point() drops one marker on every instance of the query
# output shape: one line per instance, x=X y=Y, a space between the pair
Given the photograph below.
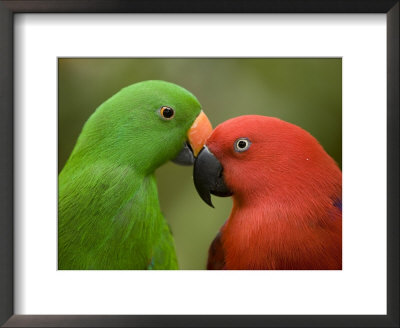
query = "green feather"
x=109 y=215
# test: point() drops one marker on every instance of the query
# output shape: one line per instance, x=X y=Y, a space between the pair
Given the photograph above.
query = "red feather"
x=285 y=194
x=216 y=256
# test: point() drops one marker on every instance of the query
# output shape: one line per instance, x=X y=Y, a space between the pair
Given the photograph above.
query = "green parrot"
x=109 y=216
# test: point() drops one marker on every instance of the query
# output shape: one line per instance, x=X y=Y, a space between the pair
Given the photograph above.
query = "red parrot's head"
x=254 y=156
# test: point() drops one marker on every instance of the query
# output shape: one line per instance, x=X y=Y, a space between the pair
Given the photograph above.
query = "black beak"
x=208 y=178
x=185 y=156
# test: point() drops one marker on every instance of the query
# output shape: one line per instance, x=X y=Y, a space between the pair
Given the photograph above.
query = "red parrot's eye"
x=242 y=144
x=166 y=112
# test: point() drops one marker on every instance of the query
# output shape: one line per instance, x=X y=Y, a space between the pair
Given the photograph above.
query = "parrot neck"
x=272 y=232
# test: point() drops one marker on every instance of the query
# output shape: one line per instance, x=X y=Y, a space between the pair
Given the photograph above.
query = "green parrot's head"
x=145 y=125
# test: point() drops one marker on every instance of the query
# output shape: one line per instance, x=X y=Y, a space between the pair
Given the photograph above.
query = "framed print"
x=325 y=67
x=298 y=78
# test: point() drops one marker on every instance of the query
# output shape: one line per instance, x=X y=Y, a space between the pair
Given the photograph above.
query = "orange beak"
x=199 y=133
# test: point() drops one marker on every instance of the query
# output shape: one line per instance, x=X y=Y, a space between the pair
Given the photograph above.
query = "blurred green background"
x=303 y=91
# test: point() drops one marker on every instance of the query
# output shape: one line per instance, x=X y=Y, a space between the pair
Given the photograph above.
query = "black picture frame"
x=7 y=11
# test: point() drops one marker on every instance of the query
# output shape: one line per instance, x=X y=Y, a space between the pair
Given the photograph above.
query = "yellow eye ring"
x=167 y=113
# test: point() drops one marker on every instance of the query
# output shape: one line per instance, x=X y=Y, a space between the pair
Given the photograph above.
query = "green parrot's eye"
x=242 y=144
x=167 y=113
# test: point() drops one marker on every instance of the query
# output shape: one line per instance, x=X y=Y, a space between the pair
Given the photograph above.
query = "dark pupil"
x=168 y=112
x=242 y=144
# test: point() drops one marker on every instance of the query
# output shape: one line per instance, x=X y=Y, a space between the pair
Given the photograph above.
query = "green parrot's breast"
x=110 y=219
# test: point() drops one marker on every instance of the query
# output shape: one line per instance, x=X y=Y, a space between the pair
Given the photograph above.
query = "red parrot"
x=287 y=196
